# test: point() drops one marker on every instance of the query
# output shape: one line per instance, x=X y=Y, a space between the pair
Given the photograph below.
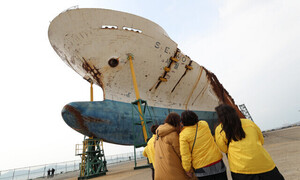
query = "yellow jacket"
x=246 y=156
x=149 y=150
x=205 y=150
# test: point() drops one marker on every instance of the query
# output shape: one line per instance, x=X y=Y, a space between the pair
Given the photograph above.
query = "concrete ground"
x=283 y=146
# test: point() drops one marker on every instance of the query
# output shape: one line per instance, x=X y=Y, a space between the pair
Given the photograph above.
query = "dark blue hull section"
x=112 y=121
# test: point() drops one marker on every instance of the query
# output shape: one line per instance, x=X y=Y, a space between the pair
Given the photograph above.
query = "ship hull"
x=97 y=43
x=115 y=121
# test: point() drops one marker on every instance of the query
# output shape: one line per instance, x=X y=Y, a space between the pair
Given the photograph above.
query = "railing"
x=33 y=172
x=119 y=158
x=41 y=171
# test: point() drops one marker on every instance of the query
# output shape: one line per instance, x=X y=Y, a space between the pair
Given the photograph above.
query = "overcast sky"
x=251 y=46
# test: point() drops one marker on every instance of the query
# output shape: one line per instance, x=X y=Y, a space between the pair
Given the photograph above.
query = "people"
x=52 y=172
x=198 y=149
x=167 y=154
x=149 y=149
x=48 y=173
x=243 y=141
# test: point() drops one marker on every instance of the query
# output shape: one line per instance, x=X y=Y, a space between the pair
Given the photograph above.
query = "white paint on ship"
x=91 y=37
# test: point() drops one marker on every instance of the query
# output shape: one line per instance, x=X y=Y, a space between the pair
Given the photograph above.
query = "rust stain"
x=93 y=71
x=83 y=129
x=165 y=72
x=221 y=92
x=201 y=93
x=63 y=56
x=91 y=119
x=194 y=87
x=80 y=119
x=190 y=63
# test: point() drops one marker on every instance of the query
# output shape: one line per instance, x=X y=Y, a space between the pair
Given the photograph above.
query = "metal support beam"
x=92 y=91
x=130 y=58
x=93 y=161
x=245 y=111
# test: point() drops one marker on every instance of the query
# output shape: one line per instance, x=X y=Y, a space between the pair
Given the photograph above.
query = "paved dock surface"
x=284 y=148
x=283 y=145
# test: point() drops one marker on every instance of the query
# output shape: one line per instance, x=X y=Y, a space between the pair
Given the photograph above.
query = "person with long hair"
x=167 y=154
x=149 y=149
x=243 y=141
x=199 y=152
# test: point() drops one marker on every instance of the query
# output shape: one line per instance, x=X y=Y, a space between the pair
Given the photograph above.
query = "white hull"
x=80 y=38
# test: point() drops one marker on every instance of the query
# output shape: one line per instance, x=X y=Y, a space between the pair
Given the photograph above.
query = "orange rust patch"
x=221 y=92
x=93 y=71
x=83 y=129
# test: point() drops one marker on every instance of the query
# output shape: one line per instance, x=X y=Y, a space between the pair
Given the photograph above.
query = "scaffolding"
x=245 y=111
x=93 y=161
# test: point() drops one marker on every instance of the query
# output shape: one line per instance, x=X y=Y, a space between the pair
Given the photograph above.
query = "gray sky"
x=251 y=45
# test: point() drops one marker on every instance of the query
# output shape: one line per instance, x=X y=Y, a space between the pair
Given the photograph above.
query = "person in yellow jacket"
x=149 y=149
x=243 y=141
x=198 y=149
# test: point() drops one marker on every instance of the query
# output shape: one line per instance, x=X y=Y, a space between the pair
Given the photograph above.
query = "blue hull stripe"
x=112 y=120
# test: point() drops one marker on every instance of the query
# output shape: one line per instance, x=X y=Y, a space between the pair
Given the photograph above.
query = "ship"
x=118 y=50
